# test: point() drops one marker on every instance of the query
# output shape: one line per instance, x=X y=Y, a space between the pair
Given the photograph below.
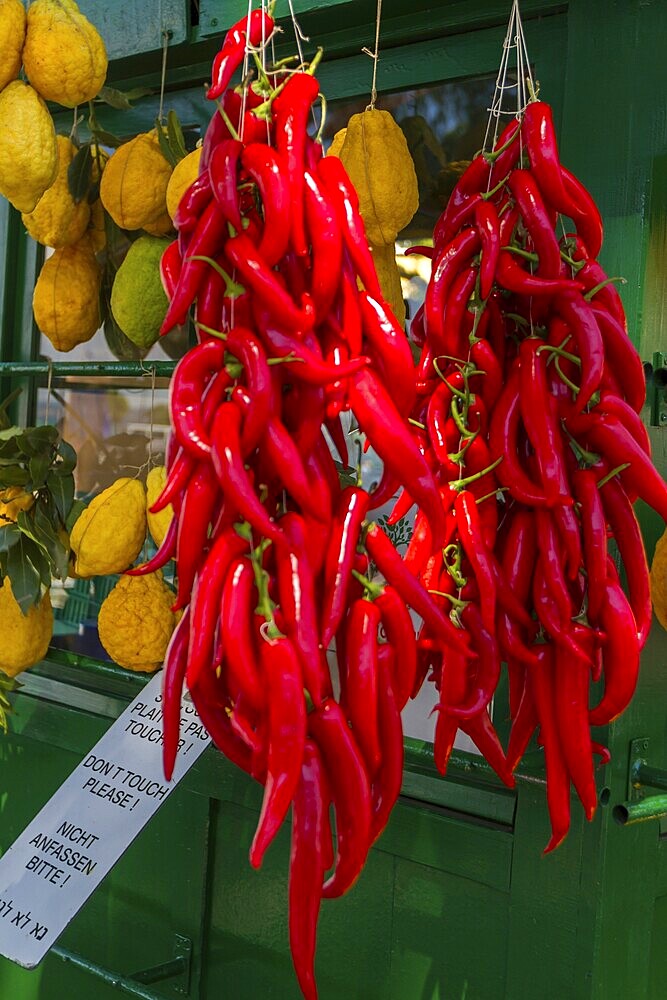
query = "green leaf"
x=38 y=467
x=136 y=93
x=175 y=135
x=61 y=489
x=114 y=98
x=23 y=569
x=67 y=455
x=38 y=527
x=9 y=433
x=14 y=475
x=10 y=448
x=79 y=173
x=38 y=440
x=165 y=147
x=10 y=534
x=75 y=513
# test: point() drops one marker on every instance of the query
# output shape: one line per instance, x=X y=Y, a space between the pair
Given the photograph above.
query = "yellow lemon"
x=28 y=147
x=158 y=524
x=133 y=188
x=12 y=34
x=185 y=172
x=110 y=532
x=136 y=621
x=13 y=500
x=66 y=296
x=25 y=638
x=64 y=56
x=659 y=580
x=58 y=221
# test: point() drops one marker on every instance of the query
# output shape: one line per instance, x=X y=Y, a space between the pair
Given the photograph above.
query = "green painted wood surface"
x=129 y=27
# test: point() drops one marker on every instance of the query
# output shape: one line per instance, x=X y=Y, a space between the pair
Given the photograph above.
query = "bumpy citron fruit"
x=185 y=172
x=161 y=226
x=376 y=156
x=110 y=532
x=659 y=580
x=133 y=188
x=25 y=638
x=158 y=524
x=384 y=258
x=28 y=147
x=13 y=500
x=66 y=297
x=136 y=621
x=59 y=221
x=138 y=300
x=12 y=35
x=64 y=56
x=337 y=143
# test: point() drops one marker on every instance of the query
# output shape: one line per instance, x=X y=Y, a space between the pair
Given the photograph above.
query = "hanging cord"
x=375 y=56
x=523 y=88
x=165 y=45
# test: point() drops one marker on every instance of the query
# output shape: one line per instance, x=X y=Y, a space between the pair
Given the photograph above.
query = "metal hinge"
x=639 y=806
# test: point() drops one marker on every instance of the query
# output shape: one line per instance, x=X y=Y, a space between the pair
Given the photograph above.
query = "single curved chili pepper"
x=236 y=600
x=308 y=865
x=456 y=315
x=197 y=510
x=391 y=349
x=193 y=203
x=420 y=547
x=551 y=559
x=451 y=222
x=165 y=552
x=539 y=134
x=559 y=629
x=524 y=721
x=345 y=201
x=349 y=310
x=592 y=276
x=622 y=358
x=386 y=785
x=492 y=380
x=296 y=588
x=257 y=376
x=453 y=684
x=206 y=699
x=584 y=213
x=608 y=436
x=268 y=169
x=326 y=242
x=303 y=415
x=361 y=680
x=540 y=421
x=583 y=326
x=514 y=278
x=398 y=627
x=351 y=509
x=258 y=277
x=252 y=30
x=223 y=170
x=351 y=794
x=178 y=477
x=233 y=478
x=572 y=681
x=207 y=240
x=523 y=186
x=470 y=533
x=173 y=677
x=625 y=528
x=186 y=389
x=286 y=740
x=543 y=685
x=323 y=498
x=209 y=305
x=518 y=566
x=390 y=564
x=171 y=263
x=448 y=264
x=423 y=251
x=594 y=532
x=620 y=656
x=486 y=220
x=482 y=732
x=391 y=439
x=487 y=666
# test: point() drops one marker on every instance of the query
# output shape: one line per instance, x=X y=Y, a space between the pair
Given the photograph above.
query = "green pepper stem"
x=373 y=590
x=458 y=484
x=232 y=288
x=563 y=377
x=603 y=284
x=614 y=472
x=552 y=349
x=522 y=253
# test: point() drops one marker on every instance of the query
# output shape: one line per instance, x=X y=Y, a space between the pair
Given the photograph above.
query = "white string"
x=163 y=78
x=375 y=56
x=515 y=42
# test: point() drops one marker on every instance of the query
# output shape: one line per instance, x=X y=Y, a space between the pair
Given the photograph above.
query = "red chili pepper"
x=351 y=794
x=592 y=276
x=165 y=552
x=207 y=240
x=387 y=782
x=252 y=30
x=178 y=477
x=558 y=628
x=390 y=564
x=539 y=135
x=523 y=186
x=236 y=601
x=193 y=372
x=171 y=263
x=193 y=203
x=594 y=532
x=487 y=666
x=173 y=677
x=584 y=213
x=350 y=512
x=261 y=280
x=524 y=721
x=540 y=420
x=572 y=681
x=398 y=627
x=223 y=170
x=482 y=732
x=453 y=684
x=470 y=533
x=361 y=680
x=451 y=222
x=492 y=380
x=268 y=169
x=391 y=350
x=486 y=220
x=551 y=559
x=308 y=865
x=450 y=262
x=511 y=276
x=625 y=528
x=326 y=242
x=218 y=725
x=583 y=326
x=622 y=358
x=296 y=587
x=338 y=187
x=199 y=503
x=543 y=687
x=233 y=478
x=620 y=656
x=391 y=439
x=291 y=110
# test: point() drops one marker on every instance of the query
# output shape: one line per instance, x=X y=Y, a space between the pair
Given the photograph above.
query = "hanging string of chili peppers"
x=272 y=552
x=529 y=392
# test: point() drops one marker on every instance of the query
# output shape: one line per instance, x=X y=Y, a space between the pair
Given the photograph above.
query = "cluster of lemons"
x=136 y=619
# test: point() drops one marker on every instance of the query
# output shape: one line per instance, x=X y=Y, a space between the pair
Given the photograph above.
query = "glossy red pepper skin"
x=540 y=420
x=361 y=680
x=622 y=358
x=491 y=382
x=286 y=740
x=218 y=725
x=622 y=520
x=197 y=509
x=191 y=206
x=308 y=865
x=594 y=534
x=263 y=282
x=400 y=633
x=171 y=263
x=518 y=566
x=386 y=786
x=482 y=732
x=514 y=278
x=470 y=533
x=326 y=240
x=223 y=171
x=338 y=187
x=207 y=240
x=253 y=30
x=584 y=213
x=237 y=599
x=390 y=349
x=486 y=668
x=268 y=169
x=536 y=219
x=539 y=135
x=351 y=508
x=232 y=476
x=621 y=656
x=542 y=682
x=583 y=325
x=390 y=564
x=173 y=678
x=551 y=558
x=350 y=791
x=453 y=258
x=178 y=477
x=572 y=678
x=192 y=374
x=391 y=439
x=165 y=552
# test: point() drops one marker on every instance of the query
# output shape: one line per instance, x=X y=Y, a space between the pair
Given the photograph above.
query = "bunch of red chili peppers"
x=272 y=553
x=529 y=390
